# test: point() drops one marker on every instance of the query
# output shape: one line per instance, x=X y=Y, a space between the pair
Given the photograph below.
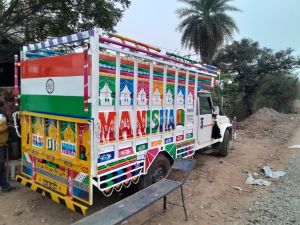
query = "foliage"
x=277 y=91
x=206 y=25
x=26 y=21
x=249 y=65
x=232 y=100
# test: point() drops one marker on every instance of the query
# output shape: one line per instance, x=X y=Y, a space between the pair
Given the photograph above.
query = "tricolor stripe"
x=69 y=106
x=54 y=85
x=63 y=86
x=56 y=66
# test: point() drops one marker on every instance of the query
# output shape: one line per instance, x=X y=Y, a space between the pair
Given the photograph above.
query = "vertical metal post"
x=195 y=107
x=165 y=202
x=135 y=94
x=234 y=128
x=94 y=91
x=70 y=183
x=117 y=97
x=164 y=101
x=151 y=99
x=85 y=76
x=175 y=100
x=16 y=86
x=185 y=101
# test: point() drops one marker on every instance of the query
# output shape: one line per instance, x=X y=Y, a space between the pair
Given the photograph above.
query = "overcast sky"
x=273 y=23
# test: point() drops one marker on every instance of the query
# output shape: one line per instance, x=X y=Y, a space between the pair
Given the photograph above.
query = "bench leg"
x=182 y=197
x=165 y=203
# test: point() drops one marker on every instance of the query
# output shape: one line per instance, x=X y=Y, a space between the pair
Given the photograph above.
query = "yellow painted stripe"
x=103 y=74
x=68 y=119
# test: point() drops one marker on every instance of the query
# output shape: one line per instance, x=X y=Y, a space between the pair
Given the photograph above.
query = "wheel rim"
x=158 y=174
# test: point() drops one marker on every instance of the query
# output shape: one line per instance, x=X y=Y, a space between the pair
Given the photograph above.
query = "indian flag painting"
x=54 y=85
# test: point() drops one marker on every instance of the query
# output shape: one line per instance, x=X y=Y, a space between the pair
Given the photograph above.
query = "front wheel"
x=157 y=171
x=224 y=146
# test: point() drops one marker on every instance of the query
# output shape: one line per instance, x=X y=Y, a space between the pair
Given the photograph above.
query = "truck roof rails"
x=43 y=49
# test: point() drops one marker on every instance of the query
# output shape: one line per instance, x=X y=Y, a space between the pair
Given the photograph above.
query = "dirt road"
x=210 y=196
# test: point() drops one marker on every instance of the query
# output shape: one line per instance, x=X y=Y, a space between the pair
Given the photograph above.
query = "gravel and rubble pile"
x=282 y=205
x=269 y=123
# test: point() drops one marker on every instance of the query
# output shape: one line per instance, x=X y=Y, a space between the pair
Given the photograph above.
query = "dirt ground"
x=211 y=198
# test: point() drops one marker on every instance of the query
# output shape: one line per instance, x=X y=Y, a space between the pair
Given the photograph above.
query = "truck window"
x=205 y=105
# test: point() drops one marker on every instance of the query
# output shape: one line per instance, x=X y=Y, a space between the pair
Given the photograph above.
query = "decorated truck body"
x=109 y=113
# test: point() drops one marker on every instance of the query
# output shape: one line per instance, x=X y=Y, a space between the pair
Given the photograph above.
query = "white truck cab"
x=206 y=115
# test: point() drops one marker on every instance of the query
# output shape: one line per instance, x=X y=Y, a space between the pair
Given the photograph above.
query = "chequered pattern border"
x=61 y=40
x=52 y=176
x=27 y=164
x=81 y=186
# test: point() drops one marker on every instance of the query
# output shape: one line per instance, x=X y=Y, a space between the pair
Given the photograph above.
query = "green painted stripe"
x=117 y=162
x=109 y=63
x=64 y=105
x=171 y=75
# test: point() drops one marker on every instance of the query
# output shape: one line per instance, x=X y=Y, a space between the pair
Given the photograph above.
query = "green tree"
x=277 y=91
x=206 y=25
x=24 y=21
x=249 y=64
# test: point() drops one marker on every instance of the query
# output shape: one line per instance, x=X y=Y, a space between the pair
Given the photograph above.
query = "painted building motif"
x=107 y=83
x=142 y=99
x=105 y=95
x=37 y=132
x=143 y=85
x=68 y=139
x=156 y=97
x=126 y=92
x=158 y=87
x=52 y=135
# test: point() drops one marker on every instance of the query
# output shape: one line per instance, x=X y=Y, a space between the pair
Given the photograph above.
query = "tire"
x=157 y=171
x=224 y=146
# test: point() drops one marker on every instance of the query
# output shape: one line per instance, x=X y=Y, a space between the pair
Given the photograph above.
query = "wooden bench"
x=122 y=210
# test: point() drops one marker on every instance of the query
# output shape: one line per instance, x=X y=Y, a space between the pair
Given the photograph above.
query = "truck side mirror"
x=216 y=110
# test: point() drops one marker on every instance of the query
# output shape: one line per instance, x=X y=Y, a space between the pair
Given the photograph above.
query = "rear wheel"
x=157 y=171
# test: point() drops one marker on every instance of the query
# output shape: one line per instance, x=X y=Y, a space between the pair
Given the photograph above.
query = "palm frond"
x=205 y=25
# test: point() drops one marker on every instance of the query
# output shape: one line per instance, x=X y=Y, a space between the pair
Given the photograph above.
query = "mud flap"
x=58 y=198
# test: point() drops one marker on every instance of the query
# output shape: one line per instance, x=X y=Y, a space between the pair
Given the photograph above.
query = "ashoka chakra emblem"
x=50 y=86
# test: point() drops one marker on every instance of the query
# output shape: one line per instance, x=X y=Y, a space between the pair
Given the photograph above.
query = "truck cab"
x=206 y=116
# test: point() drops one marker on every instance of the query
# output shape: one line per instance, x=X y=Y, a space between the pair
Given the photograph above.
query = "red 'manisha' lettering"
x=107 y=126
x=141 y=123
x=125 y=130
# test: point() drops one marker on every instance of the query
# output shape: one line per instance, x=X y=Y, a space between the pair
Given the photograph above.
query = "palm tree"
x=205 y=26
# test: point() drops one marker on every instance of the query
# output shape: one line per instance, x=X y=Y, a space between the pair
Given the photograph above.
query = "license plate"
x=51 y=184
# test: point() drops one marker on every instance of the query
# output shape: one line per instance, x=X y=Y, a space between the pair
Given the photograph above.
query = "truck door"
x=204 y=125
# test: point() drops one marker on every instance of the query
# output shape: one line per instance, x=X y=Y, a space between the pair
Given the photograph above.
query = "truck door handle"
x=202 y=125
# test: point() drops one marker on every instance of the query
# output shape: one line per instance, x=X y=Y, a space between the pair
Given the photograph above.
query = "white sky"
x=273 y=23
